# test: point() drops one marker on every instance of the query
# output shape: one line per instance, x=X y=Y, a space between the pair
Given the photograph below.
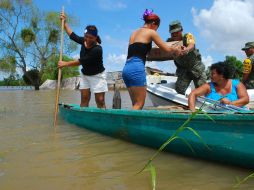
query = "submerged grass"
x=244 y=180
x=152 y=170
x=149 y=167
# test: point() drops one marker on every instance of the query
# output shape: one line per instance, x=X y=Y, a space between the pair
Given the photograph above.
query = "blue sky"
x=221 y=27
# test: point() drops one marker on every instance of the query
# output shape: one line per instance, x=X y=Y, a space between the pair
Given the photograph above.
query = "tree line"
x=30 y=42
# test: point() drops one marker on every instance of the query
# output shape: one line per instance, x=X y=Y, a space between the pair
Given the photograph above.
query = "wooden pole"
x=59 y=73
x=116 y=97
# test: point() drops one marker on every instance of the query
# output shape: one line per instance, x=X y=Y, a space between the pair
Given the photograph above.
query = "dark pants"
x=249 y=84
x=184 y=80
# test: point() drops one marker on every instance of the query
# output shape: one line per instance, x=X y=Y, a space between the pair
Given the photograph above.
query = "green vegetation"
x=51 y=71
x=30 y=41
x=12 y=81
x=148 y=166
x=8 y=64
x=235 y=66
x=239 y=181
x=153 y=173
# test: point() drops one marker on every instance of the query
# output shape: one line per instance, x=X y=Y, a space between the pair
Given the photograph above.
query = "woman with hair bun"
x=140 y=44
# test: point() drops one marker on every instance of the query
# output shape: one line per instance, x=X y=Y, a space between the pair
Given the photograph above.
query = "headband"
x=92 y=32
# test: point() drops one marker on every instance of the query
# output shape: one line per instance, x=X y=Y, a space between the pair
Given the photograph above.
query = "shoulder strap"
x=212 y=87
x=235 y=82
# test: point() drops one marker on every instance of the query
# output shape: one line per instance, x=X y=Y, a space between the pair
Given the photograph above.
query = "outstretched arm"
x=66 y=26
x=62 y=64
x=163 y=45
x=73 y=36
x=186 y=50
x=200 y=91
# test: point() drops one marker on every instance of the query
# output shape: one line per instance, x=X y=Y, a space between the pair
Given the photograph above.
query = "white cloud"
x=115 y=62
x=227 y=25
x=116 y=59
x=116 y=43
x=111 y=5
x=208 y=60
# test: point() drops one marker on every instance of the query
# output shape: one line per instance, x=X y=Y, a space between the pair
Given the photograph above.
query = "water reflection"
x=10 y=88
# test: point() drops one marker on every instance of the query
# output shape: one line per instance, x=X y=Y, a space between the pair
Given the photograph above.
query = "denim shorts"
x=134 y=72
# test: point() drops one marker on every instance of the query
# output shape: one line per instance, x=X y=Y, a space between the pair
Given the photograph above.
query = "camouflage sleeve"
x=190 y=39
x=247 y=66
x=168 y=40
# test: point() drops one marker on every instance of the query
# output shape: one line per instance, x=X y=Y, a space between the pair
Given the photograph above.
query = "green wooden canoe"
x=230 y=138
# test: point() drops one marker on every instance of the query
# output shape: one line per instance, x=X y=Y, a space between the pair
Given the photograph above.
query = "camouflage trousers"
x=184 y=79
x=249 y=84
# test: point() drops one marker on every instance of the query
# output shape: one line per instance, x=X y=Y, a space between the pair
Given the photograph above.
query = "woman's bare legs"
x=85 y=97
x=100 y=100
x=138 y=96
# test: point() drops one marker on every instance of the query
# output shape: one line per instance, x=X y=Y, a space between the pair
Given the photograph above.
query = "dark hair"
x=98 y=39
x=222 y=69
x=92 y=29
x=149 y=17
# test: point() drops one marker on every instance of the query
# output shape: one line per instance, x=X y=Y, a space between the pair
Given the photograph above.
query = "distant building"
x=115 y=78
x=152 y=71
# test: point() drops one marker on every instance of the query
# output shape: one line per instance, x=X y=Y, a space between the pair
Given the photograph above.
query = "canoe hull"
x=229 y=138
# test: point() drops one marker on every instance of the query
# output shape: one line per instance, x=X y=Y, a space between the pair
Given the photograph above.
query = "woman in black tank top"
x=140 y=44
x=139 y=49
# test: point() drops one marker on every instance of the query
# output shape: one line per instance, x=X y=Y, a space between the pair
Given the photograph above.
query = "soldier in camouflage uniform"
x=248 y=66
x=189 y=65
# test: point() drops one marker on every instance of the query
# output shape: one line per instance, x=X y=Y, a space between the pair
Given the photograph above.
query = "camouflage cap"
x=248 y=45
x=175 y=26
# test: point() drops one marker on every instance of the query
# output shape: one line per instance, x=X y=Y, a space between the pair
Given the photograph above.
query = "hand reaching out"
x=176 y=51
x=184 y=50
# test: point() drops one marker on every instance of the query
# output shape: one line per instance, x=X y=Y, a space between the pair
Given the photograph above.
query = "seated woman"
x=221 y=88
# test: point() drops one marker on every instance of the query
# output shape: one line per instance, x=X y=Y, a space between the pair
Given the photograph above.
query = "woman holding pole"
x=93 y=76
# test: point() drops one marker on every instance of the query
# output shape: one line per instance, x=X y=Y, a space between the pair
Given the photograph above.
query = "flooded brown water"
x=34 y=156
